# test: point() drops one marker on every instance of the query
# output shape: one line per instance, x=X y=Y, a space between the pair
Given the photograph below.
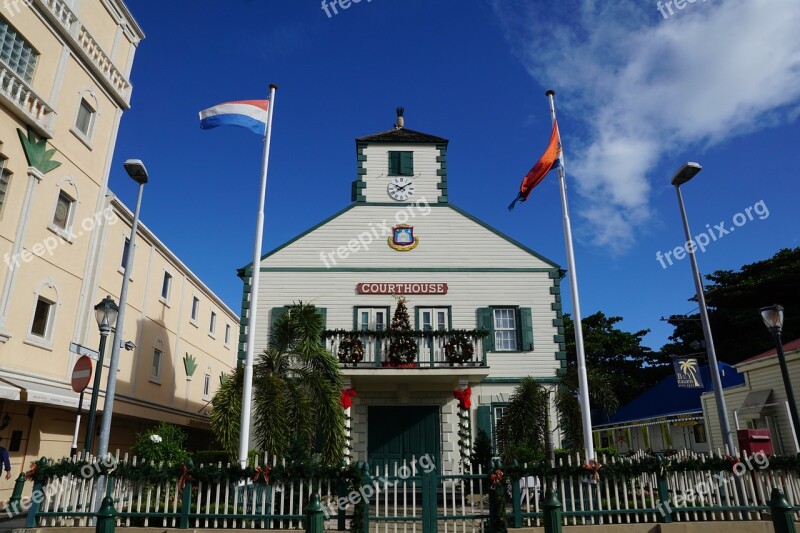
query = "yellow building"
x=64 y=84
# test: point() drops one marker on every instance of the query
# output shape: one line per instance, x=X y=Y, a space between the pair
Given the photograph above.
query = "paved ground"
x=10 y=524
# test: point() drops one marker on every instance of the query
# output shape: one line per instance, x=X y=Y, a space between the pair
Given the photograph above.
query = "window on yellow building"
x=84 y=123
x=63 y=215
x=227 y=334
x=166 y=286
x=41 y=317
x=155 y=369
x=207 y=386
x=195 y=308
x=16 y=52
x=213 y=324
x=5 y=177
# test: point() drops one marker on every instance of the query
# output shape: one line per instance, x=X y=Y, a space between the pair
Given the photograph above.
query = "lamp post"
x=136 y=170
x=106 y=314
x=684 y=174
x=773 y=319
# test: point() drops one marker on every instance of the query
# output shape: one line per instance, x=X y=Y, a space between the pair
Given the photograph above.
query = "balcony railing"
x=429 y=349
x=28 y=105
x=72 y=26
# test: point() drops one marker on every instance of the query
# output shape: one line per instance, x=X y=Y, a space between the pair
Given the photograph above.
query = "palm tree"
x=297 y=386
x=689 y=368
x=601 y=395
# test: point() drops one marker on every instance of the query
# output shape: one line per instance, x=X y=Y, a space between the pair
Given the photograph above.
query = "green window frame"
x=523 y=326
x=401 y=163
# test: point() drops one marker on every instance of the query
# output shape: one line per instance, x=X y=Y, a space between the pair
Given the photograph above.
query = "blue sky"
x=638 y=94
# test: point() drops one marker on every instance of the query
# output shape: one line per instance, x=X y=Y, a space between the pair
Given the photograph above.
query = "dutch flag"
x=250 y=114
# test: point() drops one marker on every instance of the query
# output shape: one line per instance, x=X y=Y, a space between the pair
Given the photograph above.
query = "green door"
x=395 y=434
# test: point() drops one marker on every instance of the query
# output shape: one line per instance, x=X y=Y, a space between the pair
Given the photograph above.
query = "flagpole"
x=583 y=384
x=247 y=390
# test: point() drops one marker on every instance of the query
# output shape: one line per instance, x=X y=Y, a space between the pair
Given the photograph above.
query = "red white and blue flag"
x=250 y=114
x=552 y=158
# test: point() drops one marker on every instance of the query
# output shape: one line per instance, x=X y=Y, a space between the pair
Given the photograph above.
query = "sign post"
x=81 y=375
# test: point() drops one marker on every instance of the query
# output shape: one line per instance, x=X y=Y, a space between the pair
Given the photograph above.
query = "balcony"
x=452 y=351
x=24 y=103
x=89 y=50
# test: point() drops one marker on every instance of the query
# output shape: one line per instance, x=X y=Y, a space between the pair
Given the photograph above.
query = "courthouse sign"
x=401 y=288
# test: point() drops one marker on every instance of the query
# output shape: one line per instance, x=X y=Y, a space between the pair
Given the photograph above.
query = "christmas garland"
x=459 y=349
x=474 y=334
x=351 y=350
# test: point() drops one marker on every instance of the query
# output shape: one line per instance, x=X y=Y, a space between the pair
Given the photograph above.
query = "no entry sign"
x=82 y=373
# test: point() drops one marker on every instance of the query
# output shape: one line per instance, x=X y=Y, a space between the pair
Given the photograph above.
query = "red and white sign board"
x=81 y=373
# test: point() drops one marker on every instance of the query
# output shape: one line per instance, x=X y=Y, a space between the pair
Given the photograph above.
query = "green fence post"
x=663 y=499
x=341 y=515
x=552 y=512
x=36 y=502
x=516 y=499
x=106 y=516
x=315 y=519
x=782 y=512
x=16 y=496
x=186 y=505
x=365 y=480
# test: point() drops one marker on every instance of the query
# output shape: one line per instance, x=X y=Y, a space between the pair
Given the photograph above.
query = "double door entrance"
x=397 y=434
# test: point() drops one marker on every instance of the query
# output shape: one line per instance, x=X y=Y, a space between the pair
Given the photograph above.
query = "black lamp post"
x=773 y=319
x=106 y=314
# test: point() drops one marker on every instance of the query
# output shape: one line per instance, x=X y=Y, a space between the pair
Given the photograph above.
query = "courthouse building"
x=460 y=278
x=64 y=84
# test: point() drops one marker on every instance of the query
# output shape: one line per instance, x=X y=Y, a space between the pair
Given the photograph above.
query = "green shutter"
x=526 y=329
x=486 y=322
x=276 y=313
x=394 y=163
x=407 y=163
x=485 y=421
x=323 y=312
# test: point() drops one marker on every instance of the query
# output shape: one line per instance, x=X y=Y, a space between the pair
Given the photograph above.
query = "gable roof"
x=241 y=272
x=666 y=398
x=402 y=135
x=788 y=347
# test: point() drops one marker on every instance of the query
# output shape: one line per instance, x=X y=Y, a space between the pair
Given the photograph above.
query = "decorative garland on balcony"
x=380 y=334
x=459 y=349
x=351 y=350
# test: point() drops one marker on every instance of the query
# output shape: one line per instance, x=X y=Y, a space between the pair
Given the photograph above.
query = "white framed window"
x=212 y=325
x=166 y=286
x=497 y=414
x=62 y=217
x=42 y=318
x=434 y=319
x=84 y=122
x=16 y=52
x=505 y=329
x=155 y=366
x=195 y=308
x=227 y=334
x=207 y=386
x=372 y=318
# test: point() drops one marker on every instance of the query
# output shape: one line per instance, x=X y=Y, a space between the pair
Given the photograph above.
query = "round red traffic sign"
x=81 y=373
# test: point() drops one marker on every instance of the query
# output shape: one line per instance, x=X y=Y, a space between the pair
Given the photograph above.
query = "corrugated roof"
x=403 y=135
x=666 y=398
x=788 y=347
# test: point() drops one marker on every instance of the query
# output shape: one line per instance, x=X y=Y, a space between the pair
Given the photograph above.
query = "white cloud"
x=649 y=86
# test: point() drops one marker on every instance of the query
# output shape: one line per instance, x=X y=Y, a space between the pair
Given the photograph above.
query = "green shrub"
x=164 y=442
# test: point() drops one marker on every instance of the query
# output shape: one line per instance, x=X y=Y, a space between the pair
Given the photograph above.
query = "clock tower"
x=401 y=166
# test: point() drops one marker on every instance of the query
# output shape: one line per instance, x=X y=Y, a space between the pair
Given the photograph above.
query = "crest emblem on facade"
x=402 y=238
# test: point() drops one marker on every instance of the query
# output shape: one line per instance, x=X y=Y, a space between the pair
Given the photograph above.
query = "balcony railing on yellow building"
x=425 y=349
x=30 y=107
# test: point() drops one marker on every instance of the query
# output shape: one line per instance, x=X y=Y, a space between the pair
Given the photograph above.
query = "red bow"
x=184 y=477
x=593 y=467
x=262 y=473
x=496 y=477
x=463 y=397
x=30 y=473
x=346 y=399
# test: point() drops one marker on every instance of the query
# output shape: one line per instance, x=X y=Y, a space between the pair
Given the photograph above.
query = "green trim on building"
x=401 y=269
x=243 y=317
x=357 y=191
x=442 y=171
x=519 y=380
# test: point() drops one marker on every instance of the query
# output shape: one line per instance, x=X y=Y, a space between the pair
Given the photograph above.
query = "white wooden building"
x=402 y=236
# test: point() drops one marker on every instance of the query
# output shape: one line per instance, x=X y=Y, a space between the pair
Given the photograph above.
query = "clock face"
x=400 y=188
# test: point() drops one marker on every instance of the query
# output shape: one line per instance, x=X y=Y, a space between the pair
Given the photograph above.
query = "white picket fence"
x=459 y=501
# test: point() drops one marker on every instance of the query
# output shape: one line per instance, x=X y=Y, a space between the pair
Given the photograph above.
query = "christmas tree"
x=402 y=349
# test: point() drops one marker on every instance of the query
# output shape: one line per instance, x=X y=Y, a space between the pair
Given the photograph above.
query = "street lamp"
x=136 y=170
x=773 y=319
x=106 y=314
x=684 y=174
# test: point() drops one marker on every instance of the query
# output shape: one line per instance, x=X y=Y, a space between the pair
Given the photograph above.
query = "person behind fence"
x=6 y=461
